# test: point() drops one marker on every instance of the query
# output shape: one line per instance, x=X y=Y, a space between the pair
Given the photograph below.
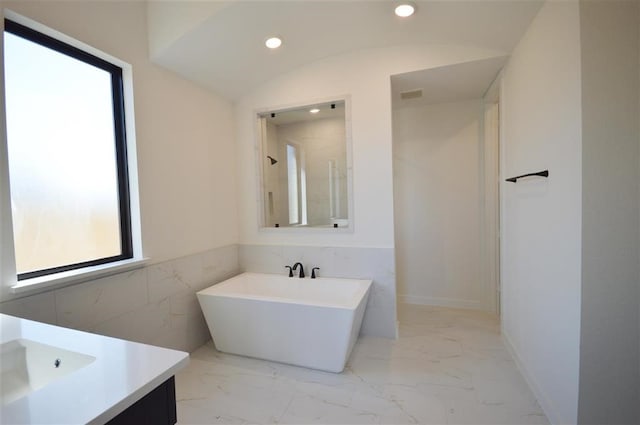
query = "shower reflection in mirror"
x=305 y=178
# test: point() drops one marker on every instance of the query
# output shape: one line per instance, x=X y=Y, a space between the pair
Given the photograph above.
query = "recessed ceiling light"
x=314 y=110
x=405 y=9
x=273 y=42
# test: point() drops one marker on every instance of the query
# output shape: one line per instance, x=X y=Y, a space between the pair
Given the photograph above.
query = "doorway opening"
x=446 y=191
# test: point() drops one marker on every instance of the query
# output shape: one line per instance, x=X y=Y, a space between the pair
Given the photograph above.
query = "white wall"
x=364 y=76
x=609 y=375
x=184 y=133
x=541 y=218
x=437 y=153
x=169 y=20
x=186 y=158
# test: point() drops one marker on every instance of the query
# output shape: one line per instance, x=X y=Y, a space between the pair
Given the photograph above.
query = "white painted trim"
x=502 y=205
x=545 y=402
x=62 y=279
x=7 y=251
x=259 y=149
x=440 y=302
x=35 y=25
x=132 y=161
x=489 y=211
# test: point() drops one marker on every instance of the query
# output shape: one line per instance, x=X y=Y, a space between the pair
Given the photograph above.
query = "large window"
x=67 y=155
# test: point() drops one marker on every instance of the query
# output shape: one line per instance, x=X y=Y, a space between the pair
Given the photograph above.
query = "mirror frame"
x=260 y=151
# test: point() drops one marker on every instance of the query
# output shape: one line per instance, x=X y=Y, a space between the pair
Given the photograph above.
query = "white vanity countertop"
x=122 y=373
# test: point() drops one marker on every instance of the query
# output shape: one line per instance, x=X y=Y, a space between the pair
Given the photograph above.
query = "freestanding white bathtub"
x=306 y=322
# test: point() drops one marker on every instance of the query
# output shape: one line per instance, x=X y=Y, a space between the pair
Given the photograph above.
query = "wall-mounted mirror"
x=305 y=166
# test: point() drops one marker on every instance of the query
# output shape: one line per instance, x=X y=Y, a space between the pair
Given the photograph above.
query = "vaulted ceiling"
x=220 y=44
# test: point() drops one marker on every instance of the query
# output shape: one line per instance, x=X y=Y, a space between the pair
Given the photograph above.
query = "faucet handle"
x=313 y=272
x=290 y=270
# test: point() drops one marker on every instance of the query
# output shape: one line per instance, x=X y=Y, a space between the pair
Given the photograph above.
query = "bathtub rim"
x=350 y=304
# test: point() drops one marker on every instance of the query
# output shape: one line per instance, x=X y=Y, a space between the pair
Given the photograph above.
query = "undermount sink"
x=26 y=366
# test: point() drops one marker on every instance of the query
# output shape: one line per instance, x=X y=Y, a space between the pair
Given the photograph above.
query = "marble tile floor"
x=447 y=367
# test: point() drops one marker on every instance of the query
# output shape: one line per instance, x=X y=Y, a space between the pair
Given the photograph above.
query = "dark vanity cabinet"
x=156 y=408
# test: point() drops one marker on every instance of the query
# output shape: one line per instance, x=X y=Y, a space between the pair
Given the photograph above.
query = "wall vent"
x=411 y=94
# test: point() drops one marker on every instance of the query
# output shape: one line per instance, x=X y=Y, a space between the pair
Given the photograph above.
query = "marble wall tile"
x=85 y=305
x=192 y=273
x=189 y=271
x=194 y=334
x=156 y=304
x=219 y=264
x=39 y=307
x=262 y=259
x=143 y=324
x=184 y=308
x=164 y=281
x=377 y=264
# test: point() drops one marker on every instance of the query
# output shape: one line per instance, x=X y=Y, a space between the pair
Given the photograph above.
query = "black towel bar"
x=544 y=173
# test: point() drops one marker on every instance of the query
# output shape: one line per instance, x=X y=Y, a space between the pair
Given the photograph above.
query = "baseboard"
x=440 y=302
x=545 y=402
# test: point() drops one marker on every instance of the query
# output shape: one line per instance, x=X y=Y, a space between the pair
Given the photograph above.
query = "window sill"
x=70 y=277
